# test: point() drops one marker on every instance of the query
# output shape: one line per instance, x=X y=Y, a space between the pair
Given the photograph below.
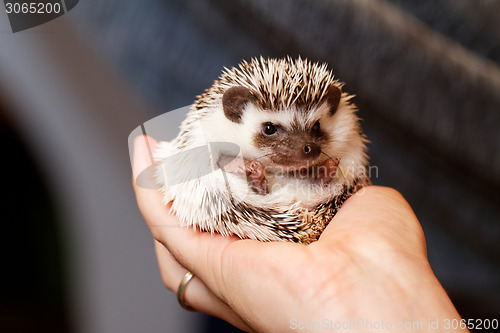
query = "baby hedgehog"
x=269 y=152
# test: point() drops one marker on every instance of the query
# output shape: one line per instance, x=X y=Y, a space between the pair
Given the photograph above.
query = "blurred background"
x=76 y=255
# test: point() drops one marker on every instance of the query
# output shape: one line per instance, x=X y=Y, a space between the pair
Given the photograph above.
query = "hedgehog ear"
x=234 y=101
x=333 y=96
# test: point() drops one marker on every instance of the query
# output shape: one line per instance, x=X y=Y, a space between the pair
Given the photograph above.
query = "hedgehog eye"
x=315 y=127
x=269 y=129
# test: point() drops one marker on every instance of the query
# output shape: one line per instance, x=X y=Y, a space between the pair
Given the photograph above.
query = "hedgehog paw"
x=256 y=174
x=326 y=171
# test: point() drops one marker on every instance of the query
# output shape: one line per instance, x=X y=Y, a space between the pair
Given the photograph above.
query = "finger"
x=196 y=295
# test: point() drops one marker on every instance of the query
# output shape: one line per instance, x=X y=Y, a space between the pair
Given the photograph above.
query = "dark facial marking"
x=291 y=146
x=234 y=101
x=333 y=96
x=316 y=127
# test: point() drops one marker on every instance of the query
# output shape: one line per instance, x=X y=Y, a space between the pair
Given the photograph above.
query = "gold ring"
x=182 y=288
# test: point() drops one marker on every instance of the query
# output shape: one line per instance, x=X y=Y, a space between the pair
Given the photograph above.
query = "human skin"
x=370 y=264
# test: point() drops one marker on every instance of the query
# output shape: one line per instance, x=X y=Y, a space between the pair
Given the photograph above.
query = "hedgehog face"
x=288 y=145
x=286 y=114
x=288 y=138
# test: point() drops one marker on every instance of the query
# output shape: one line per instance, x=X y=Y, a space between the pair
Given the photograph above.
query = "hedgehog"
x=269 y=152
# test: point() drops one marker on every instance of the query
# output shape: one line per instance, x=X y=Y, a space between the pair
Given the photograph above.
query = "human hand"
x=370 y=264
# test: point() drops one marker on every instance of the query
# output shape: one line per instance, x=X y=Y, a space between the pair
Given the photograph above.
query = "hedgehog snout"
x=311 y=151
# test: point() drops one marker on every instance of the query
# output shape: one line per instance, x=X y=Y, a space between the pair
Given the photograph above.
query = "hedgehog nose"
x=311 y=151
